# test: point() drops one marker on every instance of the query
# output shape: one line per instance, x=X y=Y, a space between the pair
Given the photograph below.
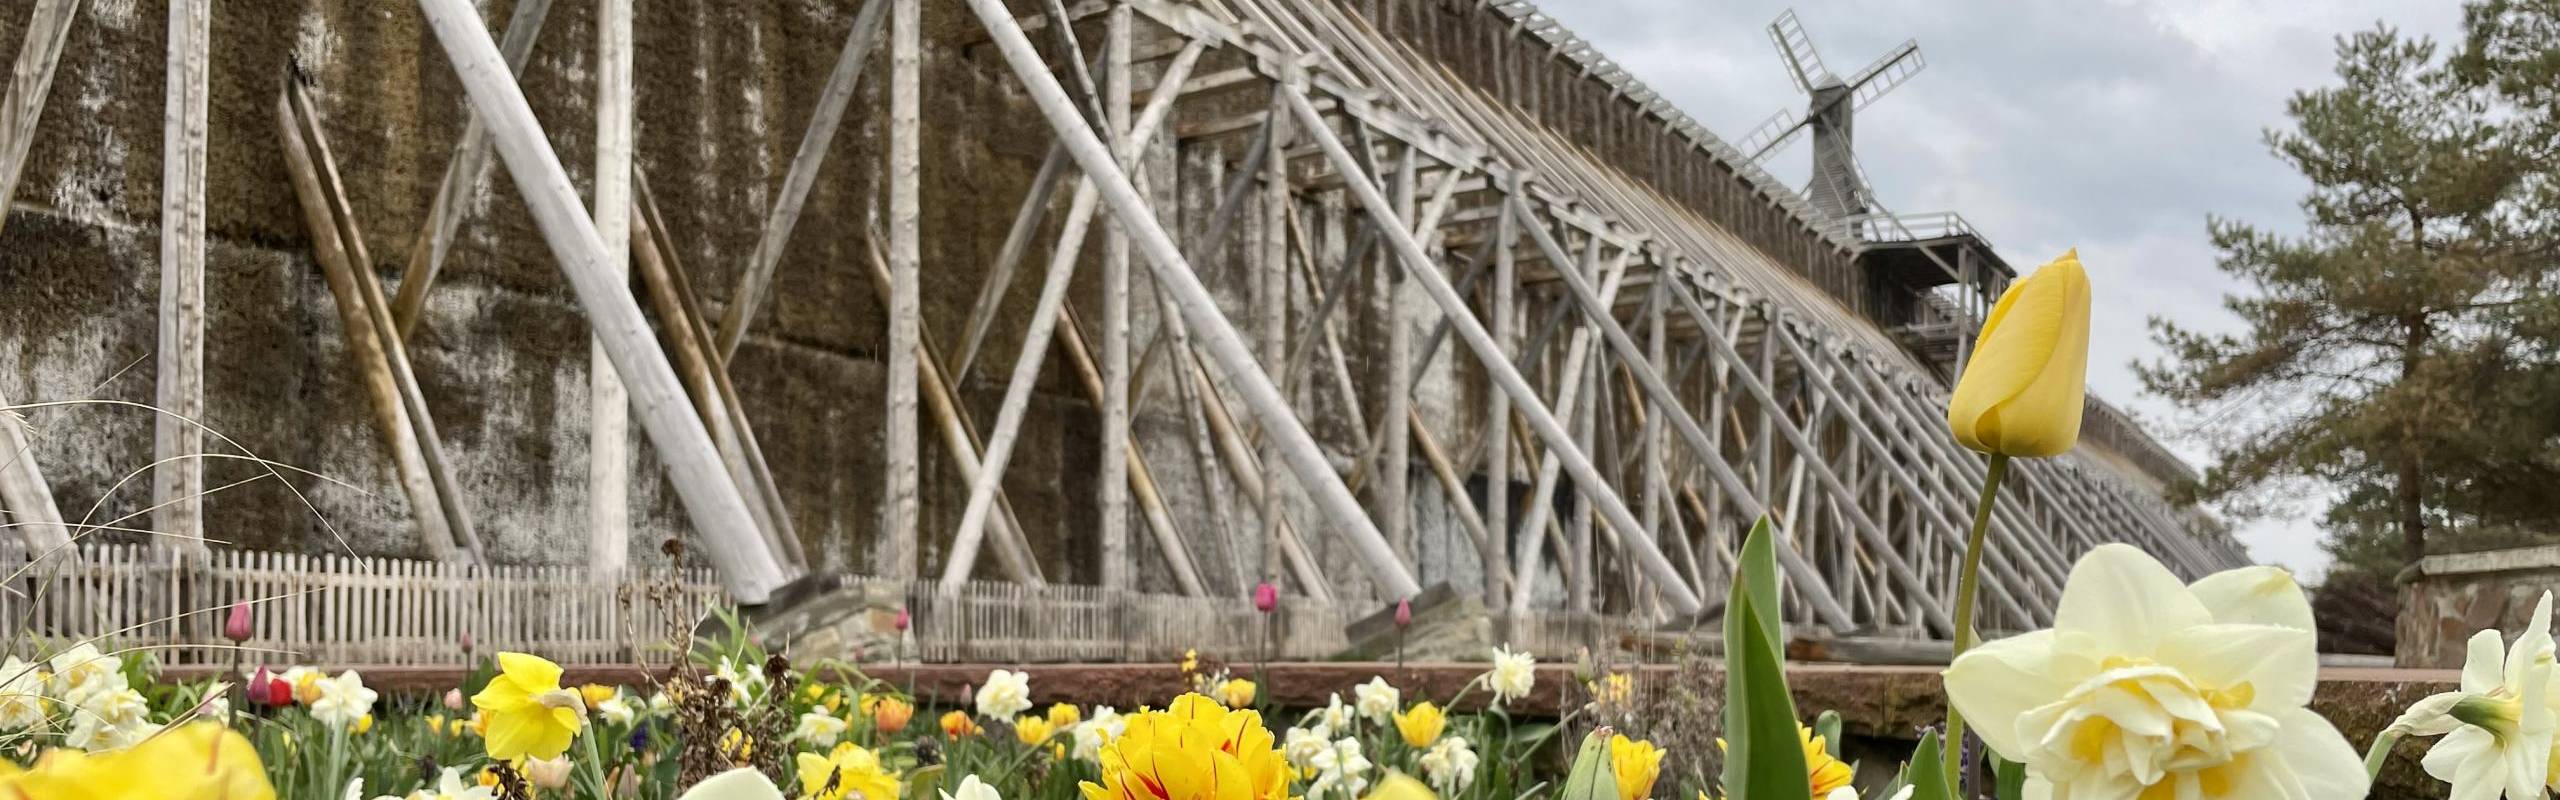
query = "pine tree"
x=2381 y=350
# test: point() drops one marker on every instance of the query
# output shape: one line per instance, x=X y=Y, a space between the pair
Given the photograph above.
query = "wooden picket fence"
x=341 y=610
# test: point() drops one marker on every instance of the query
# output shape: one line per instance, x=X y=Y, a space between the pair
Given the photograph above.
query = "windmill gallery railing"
x=1367 y=312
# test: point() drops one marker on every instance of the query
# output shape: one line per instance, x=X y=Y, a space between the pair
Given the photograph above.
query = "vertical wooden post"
x=609 y=415
x=896 y=558
x=177 y=483
x=1270 y=308
x=1495 y=554
x=1395 y=495
x=1114 y=482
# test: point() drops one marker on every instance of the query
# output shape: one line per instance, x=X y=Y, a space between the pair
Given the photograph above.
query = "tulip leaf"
x=1927 y=772
x=1827 y=726
x=925 y=782
x=2010 y=777
x=1593 y=775
x=1763 y=757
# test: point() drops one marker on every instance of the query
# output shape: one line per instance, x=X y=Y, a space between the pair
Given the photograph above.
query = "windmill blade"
x=1774 y=133
x=1890 y=71
x=1796 y=47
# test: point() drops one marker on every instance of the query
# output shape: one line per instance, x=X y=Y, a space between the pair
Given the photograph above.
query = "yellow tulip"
x=1237 y=692
x=1062 y=716
x=1033 y=730
x=849 y=771
x=1399 y=786
x=2026 y=379
x=528 y=713
x=198 y=760
x=1195 y=750
x=1421 y=725
x=1637 y=763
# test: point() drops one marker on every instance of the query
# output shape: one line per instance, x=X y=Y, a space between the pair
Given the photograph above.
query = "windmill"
x=1838 y=189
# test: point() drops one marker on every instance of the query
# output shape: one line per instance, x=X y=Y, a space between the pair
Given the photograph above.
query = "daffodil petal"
x=2257 y=596
x=2279 y=666
x=2125 y=601
x=2484 y=664
x=1998 y=682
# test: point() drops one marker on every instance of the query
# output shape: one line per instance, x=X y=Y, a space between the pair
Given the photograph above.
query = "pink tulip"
x=236 y=627
x=1404 y=612
x=1265 y=597
x=453 y=699
x=902 y=621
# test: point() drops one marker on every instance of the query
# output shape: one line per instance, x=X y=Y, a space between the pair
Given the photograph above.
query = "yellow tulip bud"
x=2024 y=384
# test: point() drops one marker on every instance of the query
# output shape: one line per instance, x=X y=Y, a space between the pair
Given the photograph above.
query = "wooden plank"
x=470 y=162
x=1114 y=481
x=30 y=83
x=177 y=477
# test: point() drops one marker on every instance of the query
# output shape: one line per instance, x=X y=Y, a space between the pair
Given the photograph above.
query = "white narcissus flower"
x=1339 y=765
x=1300 y=746
x=617 y=709
x=1513 y=675
x=80 y=670
x=2148 y=687
x=451 y=786
x=972 y=789
x=1377 y=700
x=743 y=783
x=1335 y=718
x=2498 y=728
x=21 y=695
x=1847 y=793
x=1097 y=730
x=1006 y=694
x=343 y=700
x=1450 y=765
x=819 y=728
x=108 y=719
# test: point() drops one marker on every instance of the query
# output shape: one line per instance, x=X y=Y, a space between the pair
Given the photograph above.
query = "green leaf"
x=1927 y=772
x=1827 y=726
x=1593 y=776
x=924 y=784
x=2009 y=776
x=1762 y=758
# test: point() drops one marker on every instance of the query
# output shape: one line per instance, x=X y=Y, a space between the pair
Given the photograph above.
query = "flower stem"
x=1967 y=583
x=2379 y=753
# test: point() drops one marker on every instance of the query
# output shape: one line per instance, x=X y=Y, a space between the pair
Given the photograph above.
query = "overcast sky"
x=2114 y=127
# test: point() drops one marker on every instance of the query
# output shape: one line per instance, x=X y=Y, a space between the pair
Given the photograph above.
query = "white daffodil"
x=743 y=783
x=108 y=719
x=80 y=670
x=2498 y=728
x=1006 y=693
x=1334 y=719
x=1104 y=725
x=1450 y=765
x=1339 y=765
x=819 y=728
x=746 y=682
x=1848 y=793
x=22 y=703
x=1377 y=700
x=617 y=709
x=1300 y=746
x=1513 y=675
x=343 y=700
x=2148 y=687
x=972 y=789
x=451 y=786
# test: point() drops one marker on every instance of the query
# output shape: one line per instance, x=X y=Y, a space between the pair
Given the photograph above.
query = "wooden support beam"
x=747 y=565
x=374 y=344
x=748 y=297
x=1394 y=496
x=470 y=160
x=895 y=555
x=1113 y=460
x=1199 y=308
x=609 y=414
x=23 y=490
x=177 y=442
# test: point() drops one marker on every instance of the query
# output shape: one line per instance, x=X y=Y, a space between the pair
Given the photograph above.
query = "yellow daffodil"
x=1613 y=689
x=1063 y=716
x=1236 y=692
x=528 y=713
x=956 y=724
x=364 y=724
x=1190 y=661
x=1827 y=774
x=2026 y=379
x=1637 y=763
x=890 y=714
x=201 y=760
x=1032 y=730
x=2148 y=687
x=1421 y=725
x=848 y=771
x=1399 y=786
x=595 y=694
x=1195 y=750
